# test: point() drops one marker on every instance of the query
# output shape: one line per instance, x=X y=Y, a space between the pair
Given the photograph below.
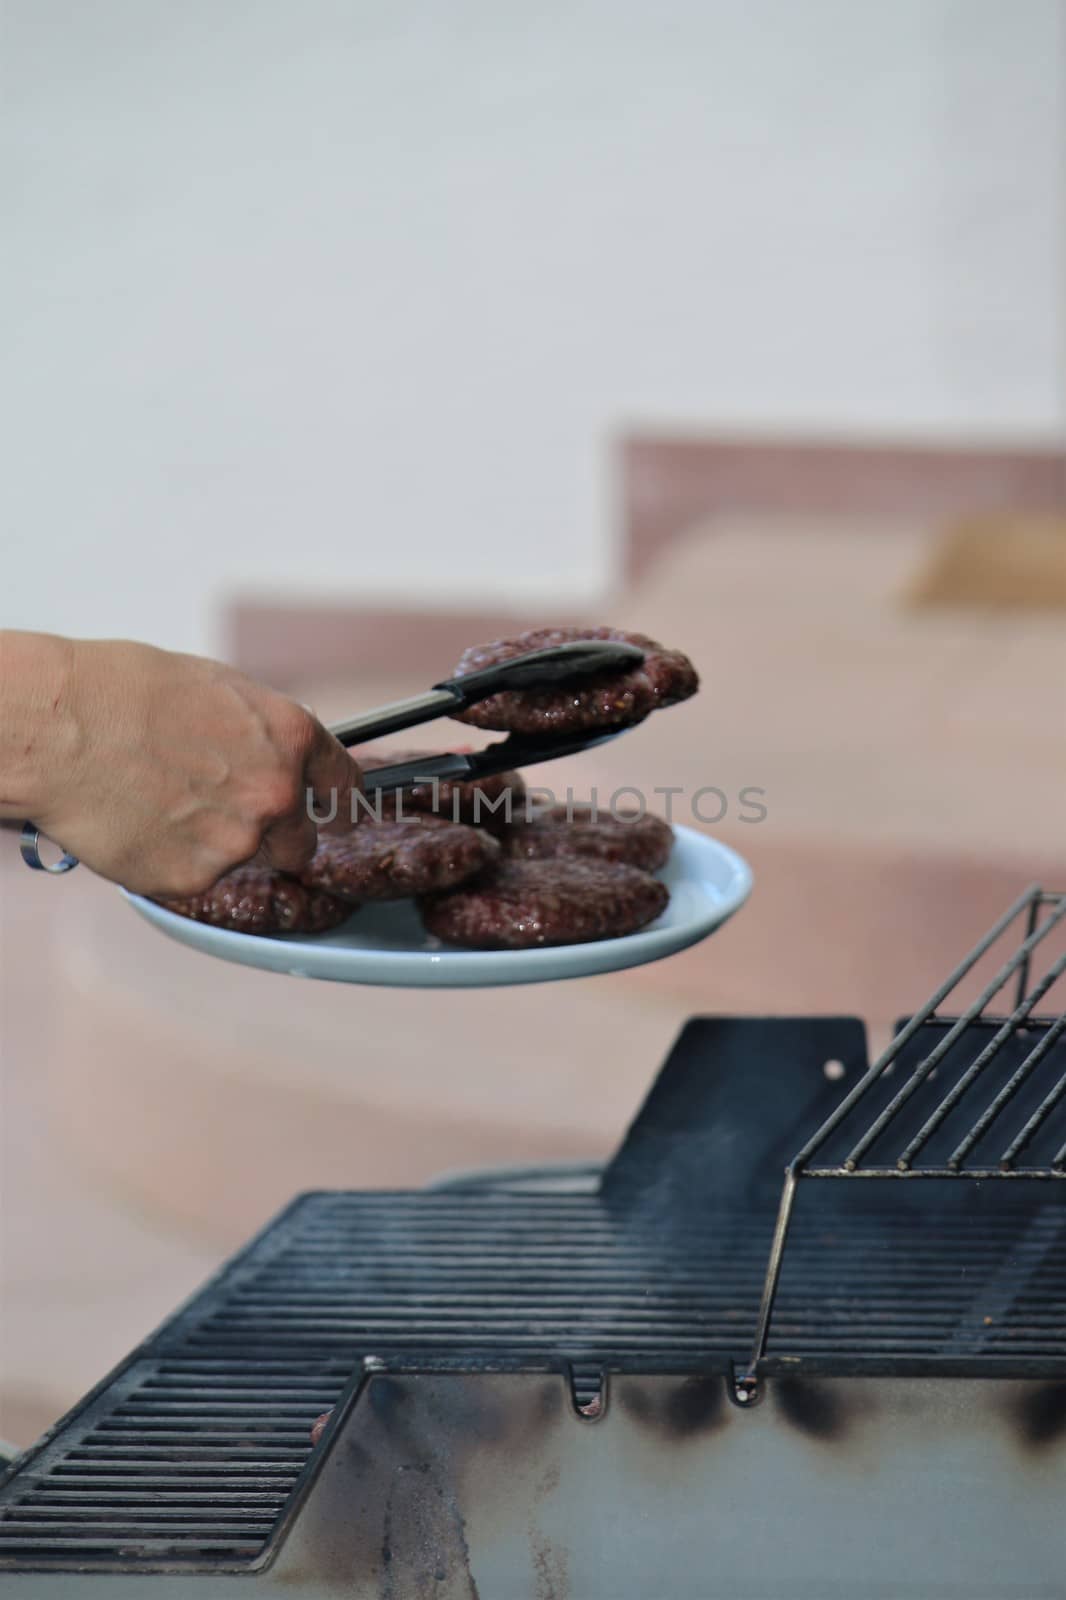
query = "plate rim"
x=644 y=946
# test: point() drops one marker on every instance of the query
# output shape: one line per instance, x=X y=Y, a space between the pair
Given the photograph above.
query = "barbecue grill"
x=668 y=1378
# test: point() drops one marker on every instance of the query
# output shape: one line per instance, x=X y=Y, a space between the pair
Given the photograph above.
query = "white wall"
x=334 y=295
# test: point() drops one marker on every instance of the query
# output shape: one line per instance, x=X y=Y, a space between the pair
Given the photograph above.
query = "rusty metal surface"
x=492 y=1488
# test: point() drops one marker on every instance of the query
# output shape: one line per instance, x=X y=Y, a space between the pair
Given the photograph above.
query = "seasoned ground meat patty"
x=609 y=699
x=392 y=860
x=260 y=900
x=518 y=905
x=481 y=802
x=577 y=830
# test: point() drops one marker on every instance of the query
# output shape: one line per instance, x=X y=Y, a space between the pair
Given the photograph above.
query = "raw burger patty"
x=260 y=900
x=518 y=905
x=602 y=700
x=419 y=798
x=392 y=860
x=641 y=841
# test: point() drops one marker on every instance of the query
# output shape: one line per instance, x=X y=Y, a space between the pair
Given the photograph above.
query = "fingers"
x=331 y=774
x=289 y=843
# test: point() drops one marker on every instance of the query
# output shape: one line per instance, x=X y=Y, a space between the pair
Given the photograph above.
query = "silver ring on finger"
x=30 y=846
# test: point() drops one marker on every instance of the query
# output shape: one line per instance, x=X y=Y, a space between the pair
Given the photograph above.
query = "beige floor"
x=157 y=1107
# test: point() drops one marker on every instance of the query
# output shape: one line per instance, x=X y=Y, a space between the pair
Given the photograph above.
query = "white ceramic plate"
x=387 y=944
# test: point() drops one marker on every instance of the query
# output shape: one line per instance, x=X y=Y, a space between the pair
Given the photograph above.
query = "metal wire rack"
x=967 y=1096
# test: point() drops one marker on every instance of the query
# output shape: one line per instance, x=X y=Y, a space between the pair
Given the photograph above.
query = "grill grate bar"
x=136 y=1548
x=61 y=1525
x=1030 y=1129
x=1007 y=1094
x=150 y=1415
x=276 y=1443
x=90 y=1502
x=145 y=1447
x=933 y=1172
x=502 y=1322
x=221 y=1483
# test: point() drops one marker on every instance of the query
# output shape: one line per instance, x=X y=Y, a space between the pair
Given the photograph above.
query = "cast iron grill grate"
x=491 y=1280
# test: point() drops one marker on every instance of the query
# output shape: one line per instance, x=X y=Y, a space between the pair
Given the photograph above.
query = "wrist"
x=39 y=732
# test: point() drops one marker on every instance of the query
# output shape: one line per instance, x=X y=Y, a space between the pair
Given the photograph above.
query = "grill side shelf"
x=177 y=1464
x=83 y=1493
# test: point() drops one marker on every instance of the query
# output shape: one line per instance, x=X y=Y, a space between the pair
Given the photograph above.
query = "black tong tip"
x=541 y=669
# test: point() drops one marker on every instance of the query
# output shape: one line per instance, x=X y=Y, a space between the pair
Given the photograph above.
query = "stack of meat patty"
x=488 y=871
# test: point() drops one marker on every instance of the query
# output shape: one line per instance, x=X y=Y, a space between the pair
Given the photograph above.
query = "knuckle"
x=232 y=840
x=295 y=727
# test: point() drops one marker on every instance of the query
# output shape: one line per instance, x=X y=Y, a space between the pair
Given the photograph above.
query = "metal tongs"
x=551 y=668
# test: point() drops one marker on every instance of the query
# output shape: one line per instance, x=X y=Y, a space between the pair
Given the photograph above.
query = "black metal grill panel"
x=191 y=1455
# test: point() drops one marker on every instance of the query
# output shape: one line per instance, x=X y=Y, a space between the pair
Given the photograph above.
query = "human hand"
x=163 y=771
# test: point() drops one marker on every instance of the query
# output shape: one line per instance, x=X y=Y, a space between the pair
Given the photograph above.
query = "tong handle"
x=400 y=714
